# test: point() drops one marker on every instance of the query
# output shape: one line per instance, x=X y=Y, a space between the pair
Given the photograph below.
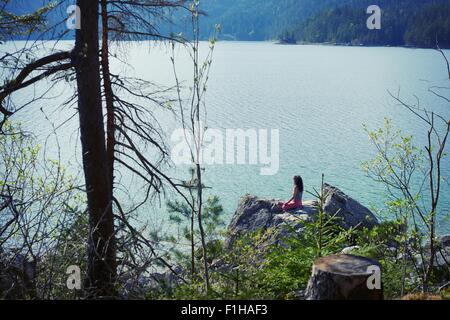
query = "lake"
x=318 y=97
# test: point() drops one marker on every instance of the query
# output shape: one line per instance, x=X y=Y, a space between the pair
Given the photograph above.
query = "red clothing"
x=292 y=205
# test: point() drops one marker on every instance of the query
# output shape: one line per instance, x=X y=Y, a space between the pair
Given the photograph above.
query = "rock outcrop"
x=443 y=253
x=350 y=213
x=255 y=214
x=441 y=261
x=444 y=241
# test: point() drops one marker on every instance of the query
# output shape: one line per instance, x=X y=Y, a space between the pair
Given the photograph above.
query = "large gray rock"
x=443 y=254
x=141 y=285
x=255 y=214
x=348 y=212
x=444 y=241
x=442 y=258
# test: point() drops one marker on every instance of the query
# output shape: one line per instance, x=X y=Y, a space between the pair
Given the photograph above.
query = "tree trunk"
x=192 y=243
x=109 y=97
x=343 y=277
x=200 y=225
x=101 y=271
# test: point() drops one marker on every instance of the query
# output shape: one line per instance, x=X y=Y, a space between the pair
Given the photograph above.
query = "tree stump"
x=345 y=277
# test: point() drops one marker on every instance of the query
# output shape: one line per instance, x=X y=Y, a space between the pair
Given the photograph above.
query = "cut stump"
x=344 y=277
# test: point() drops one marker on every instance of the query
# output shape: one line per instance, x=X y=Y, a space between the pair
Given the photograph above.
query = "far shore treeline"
x=413 y=23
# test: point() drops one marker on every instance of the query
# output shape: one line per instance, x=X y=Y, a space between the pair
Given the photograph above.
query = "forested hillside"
x=259 y=19
x=417 y=25
x=404 y=22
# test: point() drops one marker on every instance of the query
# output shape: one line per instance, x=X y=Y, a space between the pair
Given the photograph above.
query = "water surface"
x=319 y=97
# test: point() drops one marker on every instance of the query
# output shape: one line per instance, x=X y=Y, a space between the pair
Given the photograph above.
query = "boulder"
x=443 y=255
x=444 y=241
x=441 y=263
x=349 y=212
x=256 y=214
x=140 y=286
x=442 y=258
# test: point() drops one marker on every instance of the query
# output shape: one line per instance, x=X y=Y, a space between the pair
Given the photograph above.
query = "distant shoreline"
x=278 y=42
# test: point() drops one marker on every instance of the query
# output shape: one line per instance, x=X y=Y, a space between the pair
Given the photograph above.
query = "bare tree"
x=131 y=129
x=399 y=166
x=193 y=119
x=438 y=130
x=97 y=157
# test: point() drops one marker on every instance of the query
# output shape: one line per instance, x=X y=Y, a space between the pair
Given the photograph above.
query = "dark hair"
x=299 y=182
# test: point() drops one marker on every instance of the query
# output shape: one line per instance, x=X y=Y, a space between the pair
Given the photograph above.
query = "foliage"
x=244 y=271
x=42 y=220
x=384 y=243
x=413 y=182
x=251 y=270
x=288 y=266
x=181 y=215
x=14 y=25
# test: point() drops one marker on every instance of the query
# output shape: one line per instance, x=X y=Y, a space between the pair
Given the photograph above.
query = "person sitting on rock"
x=296 y=201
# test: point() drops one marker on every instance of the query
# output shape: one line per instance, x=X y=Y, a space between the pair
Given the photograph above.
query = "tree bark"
x=109 y=96
x=101 y=271
x=342 y=277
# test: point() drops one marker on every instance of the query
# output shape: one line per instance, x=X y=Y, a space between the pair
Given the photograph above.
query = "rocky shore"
x=256 y=214
x=340 y=275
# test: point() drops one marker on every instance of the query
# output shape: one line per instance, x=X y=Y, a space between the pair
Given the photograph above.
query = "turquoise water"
x=318 y=97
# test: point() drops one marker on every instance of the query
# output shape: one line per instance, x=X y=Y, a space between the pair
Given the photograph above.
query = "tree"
x=13 y=25
x=414 y=177
x=101 y=244
x=193 y=121
x=130 y=121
